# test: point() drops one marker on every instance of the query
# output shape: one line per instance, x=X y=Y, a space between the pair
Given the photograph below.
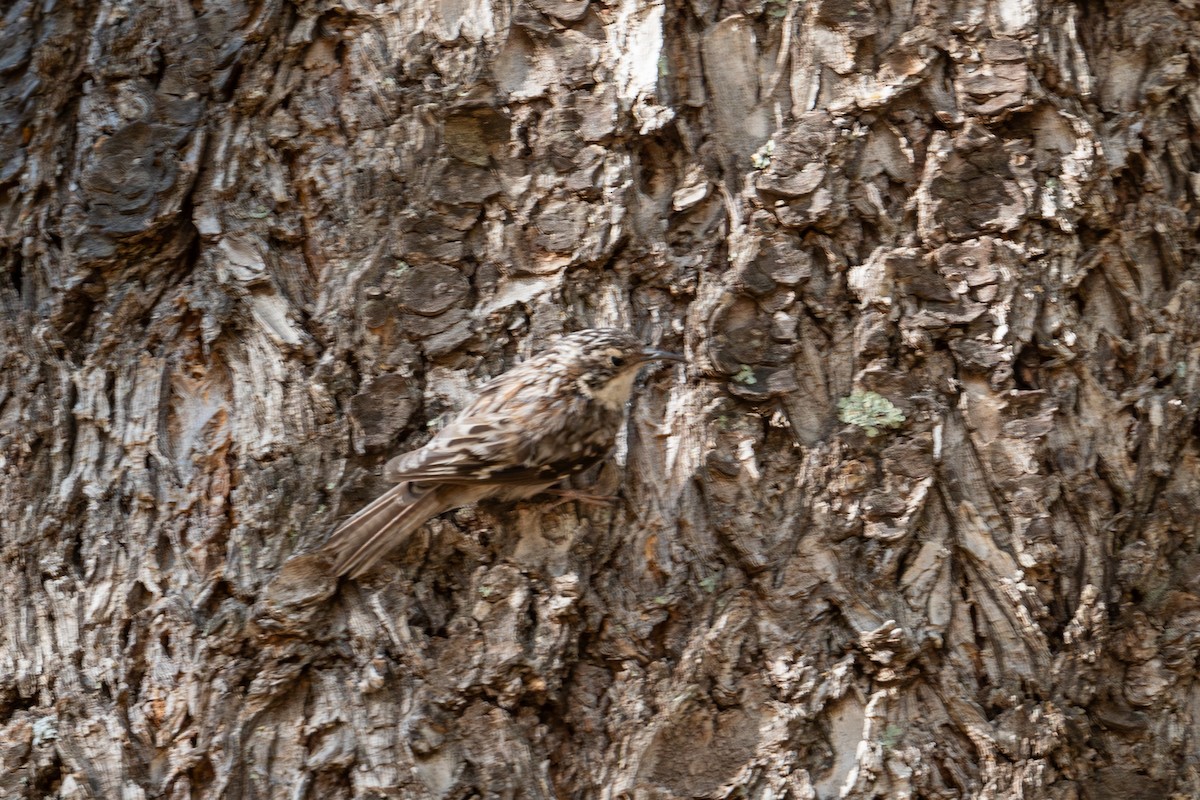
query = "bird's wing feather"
x=364 y=538
x=471 y=451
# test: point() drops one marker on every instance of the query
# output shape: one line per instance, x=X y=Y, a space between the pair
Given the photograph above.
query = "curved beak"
x=650 y=354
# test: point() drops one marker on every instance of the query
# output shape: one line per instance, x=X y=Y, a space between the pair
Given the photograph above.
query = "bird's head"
x=605 y=362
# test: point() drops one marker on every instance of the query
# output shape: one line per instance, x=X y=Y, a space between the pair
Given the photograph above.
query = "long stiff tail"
x=367 y=536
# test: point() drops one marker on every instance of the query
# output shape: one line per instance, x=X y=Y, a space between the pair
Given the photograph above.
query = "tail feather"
x=367 y=536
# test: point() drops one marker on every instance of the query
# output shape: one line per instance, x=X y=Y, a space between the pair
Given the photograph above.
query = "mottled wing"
x=499 y=456
x=523 y=429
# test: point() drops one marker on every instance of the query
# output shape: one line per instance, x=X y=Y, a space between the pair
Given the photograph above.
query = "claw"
x=574 y=495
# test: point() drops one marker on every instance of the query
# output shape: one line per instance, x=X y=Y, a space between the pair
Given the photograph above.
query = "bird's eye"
x=616 y=361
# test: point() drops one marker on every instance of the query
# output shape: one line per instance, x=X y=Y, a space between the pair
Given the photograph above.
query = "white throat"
x=614 y=394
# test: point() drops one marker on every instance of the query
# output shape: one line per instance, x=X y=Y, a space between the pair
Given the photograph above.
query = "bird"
x=546 y=419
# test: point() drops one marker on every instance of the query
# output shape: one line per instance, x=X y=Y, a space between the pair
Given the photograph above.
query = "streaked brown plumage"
x=546 y=419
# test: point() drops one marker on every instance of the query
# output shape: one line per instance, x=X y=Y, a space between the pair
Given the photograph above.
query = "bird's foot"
x=574 y=495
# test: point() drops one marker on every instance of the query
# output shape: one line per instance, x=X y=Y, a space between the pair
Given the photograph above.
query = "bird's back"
x=531 y=424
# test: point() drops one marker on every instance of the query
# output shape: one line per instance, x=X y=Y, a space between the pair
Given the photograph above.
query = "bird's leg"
x=589 y=480
x=575 y=495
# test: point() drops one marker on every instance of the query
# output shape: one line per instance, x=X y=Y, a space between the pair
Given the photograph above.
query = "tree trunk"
x=919 y=518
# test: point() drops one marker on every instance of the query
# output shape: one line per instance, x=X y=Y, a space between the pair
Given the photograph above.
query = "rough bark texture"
x=251 y=249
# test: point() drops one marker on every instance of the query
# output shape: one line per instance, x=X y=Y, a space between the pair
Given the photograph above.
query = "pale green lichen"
x=869 y=411
x=778 y=9
x=761 y=158
x=745 y=374
x=892 y=735
x=45 y=730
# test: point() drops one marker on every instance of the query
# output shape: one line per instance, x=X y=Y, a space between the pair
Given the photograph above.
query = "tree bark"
x=918 y=519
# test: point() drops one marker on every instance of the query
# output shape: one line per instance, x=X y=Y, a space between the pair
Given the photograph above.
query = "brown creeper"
x=549 y=418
